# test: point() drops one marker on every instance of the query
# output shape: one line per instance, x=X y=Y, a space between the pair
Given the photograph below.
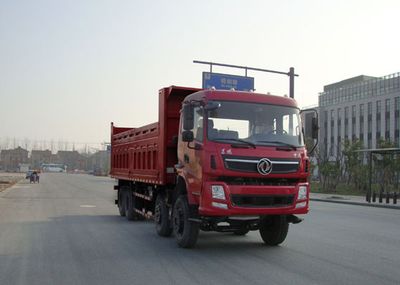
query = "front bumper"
x=253 y=200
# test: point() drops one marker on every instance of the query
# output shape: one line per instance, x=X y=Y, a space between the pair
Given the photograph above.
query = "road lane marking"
x=87 y=206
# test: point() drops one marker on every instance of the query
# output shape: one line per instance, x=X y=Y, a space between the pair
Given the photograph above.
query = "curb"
x=357 y=203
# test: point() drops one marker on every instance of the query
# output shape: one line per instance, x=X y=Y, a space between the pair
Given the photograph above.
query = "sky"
x=69 y=68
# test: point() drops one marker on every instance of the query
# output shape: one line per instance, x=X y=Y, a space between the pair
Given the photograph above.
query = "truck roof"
x=229 y=95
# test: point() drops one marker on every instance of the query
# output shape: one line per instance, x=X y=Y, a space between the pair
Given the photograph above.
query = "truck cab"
x=241 y=156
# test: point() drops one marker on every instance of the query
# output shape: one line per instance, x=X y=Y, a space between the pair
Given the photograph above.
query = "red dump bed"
x=149 y=153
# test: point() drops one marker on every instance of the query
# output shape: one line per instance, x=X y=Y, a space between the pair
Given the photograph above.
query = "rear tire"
x=161 y=217
x=273 y=229
x=186 y=232
x=130 y=205
x=121 y=202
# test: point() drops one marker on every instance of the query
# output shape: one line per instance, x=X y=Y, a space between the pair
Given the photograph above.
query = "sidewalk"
x=352 y=200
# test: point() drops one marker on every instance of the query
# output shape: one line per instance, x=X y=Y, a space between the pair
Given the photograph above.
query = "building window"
x=387 y=119
x=378 y=107
x=396 y=120
x=361 y=121
x=387 y=129
x=346 y=123
x=325 y=118
x=339 y=124
x=387 y=105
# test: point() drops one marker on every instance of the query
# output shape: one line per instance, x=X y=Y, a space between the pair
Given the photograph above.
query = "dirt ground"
x=8 y=179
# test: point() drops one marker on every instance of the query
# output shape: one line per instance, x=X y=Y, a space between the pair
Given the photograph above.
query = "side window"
x=198 y=124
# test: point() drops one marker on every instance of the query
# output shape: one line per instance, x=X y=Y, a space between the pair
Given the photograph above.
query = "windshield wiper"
x=237 y=140
x=281 y=143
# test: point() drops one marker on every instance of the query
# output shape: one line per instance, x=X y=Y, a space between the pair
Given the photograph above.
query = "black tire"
x=241 y=232
x=185 y=231
x=273 y=229
x=161 y=217
x=121 y=202
x=130 y=205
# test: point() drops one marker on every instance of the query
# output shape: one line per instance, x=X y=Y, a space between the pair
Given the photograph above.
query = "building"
x=11 y=159
x=99 y=163
x=72 y=159
x=364 y=108
x=38 y=157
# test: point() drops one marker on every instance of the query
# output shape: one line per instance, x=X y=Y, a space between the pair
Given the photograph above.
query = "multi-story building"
x=364 y=108
x=99 y=162
x=72 y=159
x=38 y=157
x=11 y=159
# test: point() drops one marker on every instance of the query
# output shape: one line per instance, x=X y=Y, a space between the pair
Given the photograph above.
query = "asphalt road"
x=66 y=230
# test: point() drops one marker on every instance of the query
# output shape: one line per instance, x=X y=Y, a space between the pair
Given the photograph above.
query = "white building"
x=363 y=107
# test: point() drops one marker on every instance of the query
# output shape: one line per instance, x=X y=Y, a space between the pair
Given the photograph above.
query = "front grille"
x=249 y=164
x=272 y=201
x=258 y=181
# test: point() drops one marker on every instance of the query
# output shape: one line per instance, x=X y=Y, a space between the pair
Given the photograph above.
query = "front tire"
x=161 y=217
x=273 y=229
x=186 y=232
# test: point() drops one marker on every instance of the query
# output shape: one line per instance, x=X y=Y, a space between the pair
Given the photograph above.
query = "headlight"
x=302 y=193
x=218 y=192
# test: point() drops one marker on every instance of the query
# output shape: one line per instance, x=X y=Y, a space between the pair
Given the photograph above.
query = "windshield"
x=255 y=123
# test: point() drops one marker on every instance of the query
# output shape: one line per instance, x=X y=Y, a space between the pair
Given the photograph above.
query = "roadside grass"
x=8 y=180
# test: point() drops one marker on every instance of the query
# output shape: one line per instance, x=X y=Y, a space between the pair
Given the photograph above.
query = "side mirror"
x=188 y=117
x=187 y=136
x=314 y=128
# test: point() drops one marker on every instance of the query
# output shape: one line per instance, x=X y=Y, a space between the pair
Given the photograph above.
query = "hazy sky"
x=69 y=68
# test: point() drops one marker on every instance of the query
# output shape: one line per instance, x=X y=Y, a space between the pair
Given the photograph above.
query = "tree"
x=356 y=172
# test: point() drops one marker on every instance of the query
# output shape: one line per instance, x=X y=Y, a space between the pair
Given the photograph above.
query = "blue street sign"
x=227 y=81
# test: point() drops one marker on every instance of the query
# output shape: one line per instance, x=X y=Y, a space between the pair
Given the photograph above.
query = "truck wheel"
x=273 y=229
x=186 y=232
x=130 y=204
x=241 y=232
x=161 y=217
x=121 y=202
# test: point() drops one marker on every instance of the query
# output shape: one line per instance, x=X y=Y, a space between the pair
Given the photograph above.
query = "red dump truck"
x=216 y=160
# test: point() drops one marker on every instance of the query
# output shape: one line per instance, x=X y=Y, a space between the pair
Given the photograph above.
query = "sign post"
x=220 y=81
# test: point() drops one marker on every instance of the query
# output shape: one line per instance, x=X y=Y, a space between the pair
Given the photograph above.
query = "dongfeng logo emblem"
x=264 y=166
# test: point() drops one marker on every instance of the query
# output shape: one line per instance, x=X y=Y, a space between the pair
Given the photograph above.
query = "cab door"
x=190 y=154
